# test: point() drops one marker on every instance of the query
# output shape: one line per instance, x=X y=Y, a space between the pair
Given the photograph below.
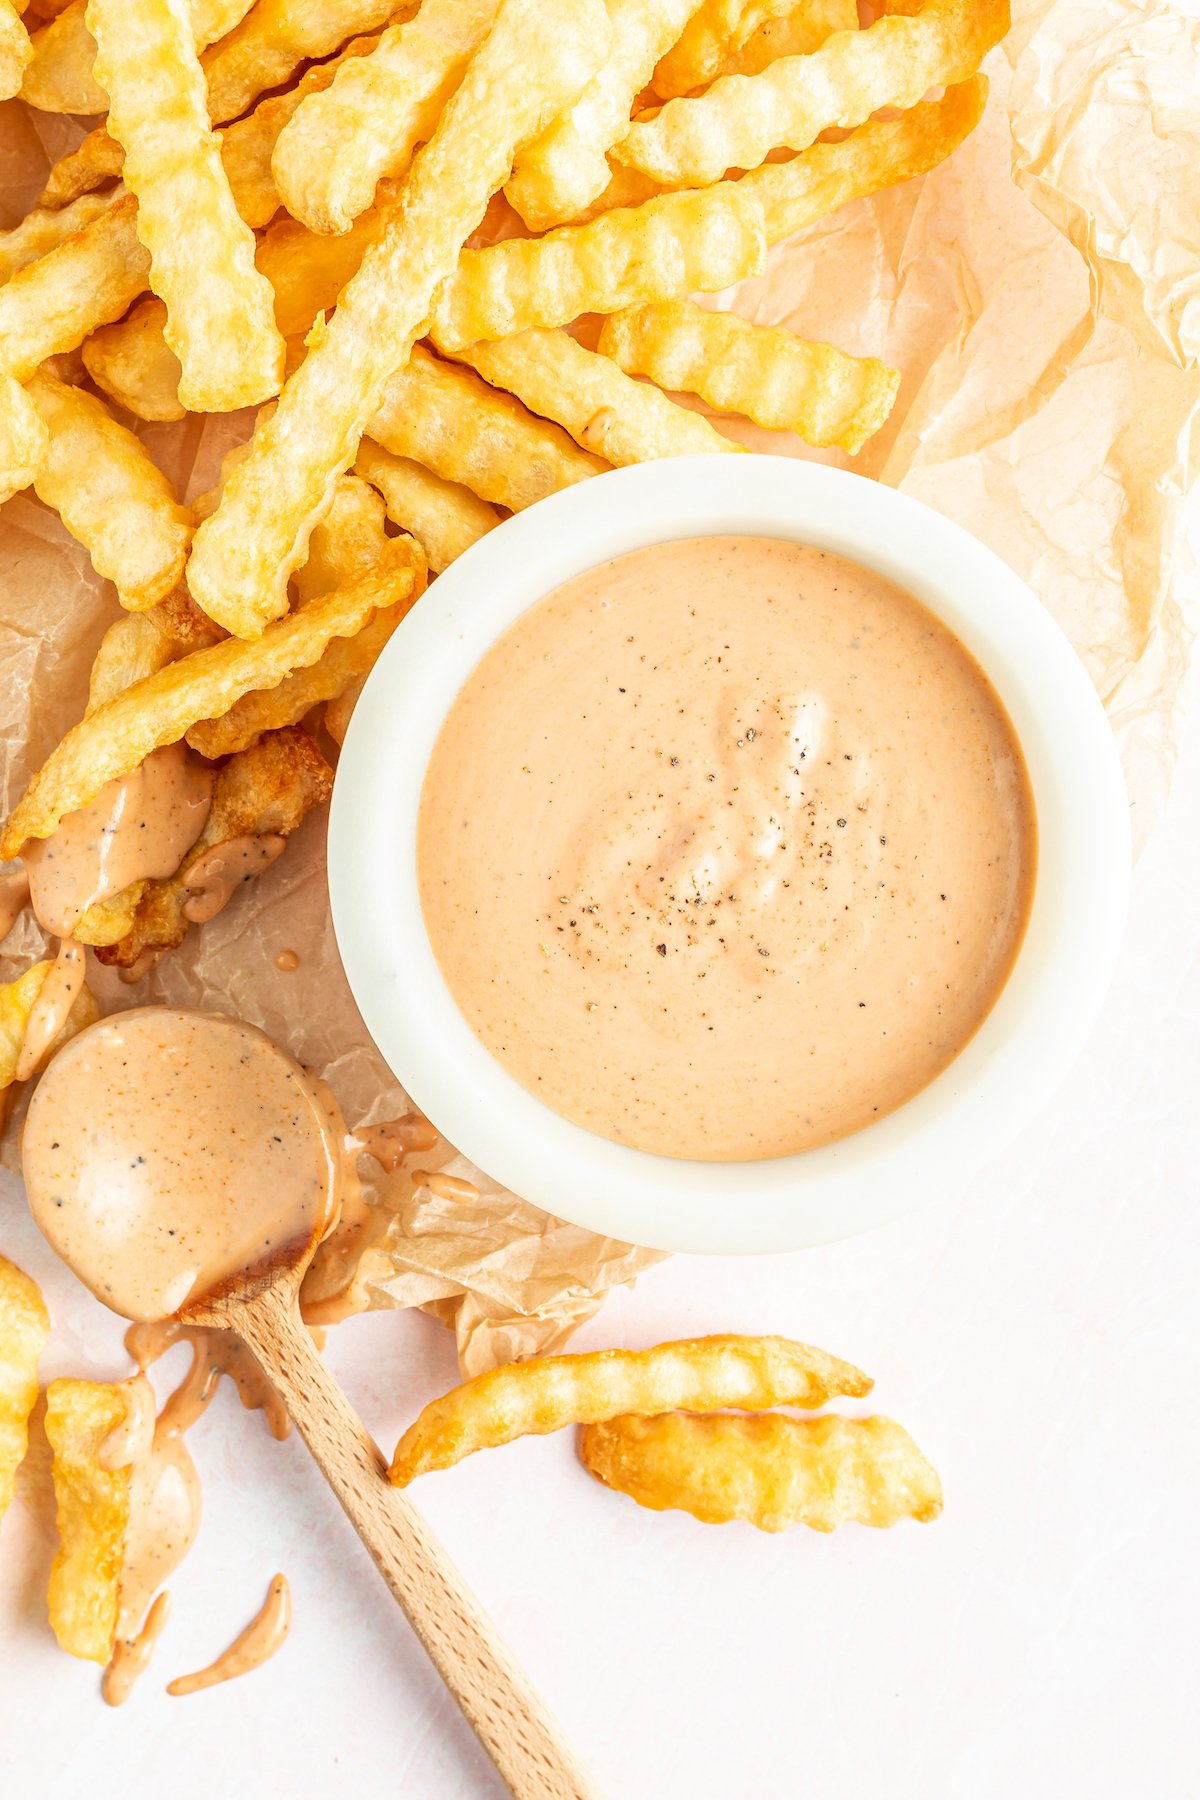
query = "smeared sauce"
x=395 y=1139
x=726 y=848
x=131 y=1656
x=14 y=898
x=51 y=1009
x=212 y=878
x=138 y=827
x=258 y=1643
x=166 y=1151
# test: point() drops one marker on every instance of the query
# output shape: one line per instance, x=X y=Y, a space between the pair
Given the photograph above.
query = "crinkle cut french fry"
x=880 y=154
x=307 y=273
x=741 y=118
x=766 y=374
x=695 y=56
x=275 y=37
x=548 y=1392
x=119 y=735
x=59 y=78
x=605 y=411
x=222 y=328
x=265 y=790
x=444 y=517
x=24 y=1332
x=140 y=644
x=93 y=1514
x=564 y=169
x=16 y=54
x=134 y=365
x=108 y=493
x=17 y=1001
x=246 y=148
x=718 y=36
x=93 y=277
x=770 y=1470
x=44 y=229
x=341 y=143
x=791 y=31
x=347 y=543
x=447 y=419
x=673 y=245
x=531 y=65
x=23 y=439
x=345 y=660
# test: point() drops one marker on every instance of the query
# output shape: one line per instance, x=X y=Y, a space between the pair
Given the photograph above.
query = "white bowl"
x=934 y=1140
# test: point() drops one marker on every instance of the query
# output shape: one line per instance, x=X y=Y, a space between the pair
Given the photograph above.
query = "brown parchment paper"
x=1040 y=293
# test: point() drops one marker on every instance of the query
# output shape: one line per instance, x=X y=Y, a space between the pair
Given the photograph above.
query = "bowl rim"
x=938 y=1137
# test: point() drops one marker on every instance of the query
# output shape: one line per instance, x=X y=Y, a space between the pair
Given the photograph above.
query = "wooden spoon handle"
x=520 y=1736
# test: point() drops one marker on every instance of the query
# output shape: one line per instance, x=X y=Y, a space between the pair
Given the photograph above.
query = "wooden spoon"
x=514 y=1727
x=175 y=1155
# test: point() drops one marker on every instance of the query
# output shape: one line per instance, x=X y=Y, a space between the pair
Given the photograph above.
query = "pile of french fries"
x=449 y=253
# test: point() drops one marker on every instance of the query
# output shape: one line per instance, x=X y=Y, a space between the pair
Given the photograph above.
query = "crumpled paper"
x=1040 y=294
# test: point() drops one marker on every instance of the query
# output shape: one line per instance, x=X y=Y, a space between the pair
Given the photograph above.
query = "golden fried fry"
x=766 y=33
x=348 y=544
x=90 y=165
x=880 y=154
x=307 y=272
x=23 y=439
x=16 y=54
x=341 y=143
x=110 y=496
x=672 y=245
x=444 y=517
x=348 y=541
x=624 y=421
x=265 y=791
x=140 y=644
x=51 y=305
x=119 y=735
x=58 y=77
x=248 y=146
x=770 y=1470
x=531 y=65
x=741 y=118
x=449 y=420
x=93 y=1514
x=718 y=38
x=44 y=229
x=564 y=169
x=276 y=37
x=548 y=1392
x=766 y=374
x=24 y=1330
x=17 y=1001
x=222 y=328
x=133 y=364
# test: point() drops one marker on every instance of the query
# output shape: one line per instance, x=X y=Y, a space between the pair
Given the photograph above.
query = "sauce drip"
x=214 y=1354
x=213 y=877
x=446 y=1187
x=167 y=1151
x=388 y=1144
x=14 y=898
x=142 y=964
x=287 y=962
x=51 y=1009
x=138 y=827
x=266 y=1633
x=131 y=1656
x=726 y=848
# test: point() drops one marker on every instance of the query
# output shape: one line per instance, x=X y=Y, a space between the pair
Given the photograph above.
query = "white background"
x=1037 y=1336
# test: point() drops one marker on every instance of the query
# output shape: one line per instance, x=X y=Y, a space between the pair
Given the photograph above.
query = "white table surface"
x=1037 y=1336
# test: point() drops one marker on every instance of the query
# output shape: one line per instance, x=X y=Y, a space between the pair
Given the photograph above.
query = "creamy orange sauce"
x=131 y=1656
x=212 y=878
x=446 y=1187
x=726 y=848
x=167 y=1151
x=50 y=1010
x=14 y=898
x=266 y=1633
x=287 y=962
x=214 y=1354
x=388 y=1144
x=142 y=965
x=138 y=827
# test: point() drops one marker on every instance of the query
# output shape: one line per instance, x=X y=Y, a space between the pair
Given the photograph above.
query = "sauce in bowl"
x=726 y=848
